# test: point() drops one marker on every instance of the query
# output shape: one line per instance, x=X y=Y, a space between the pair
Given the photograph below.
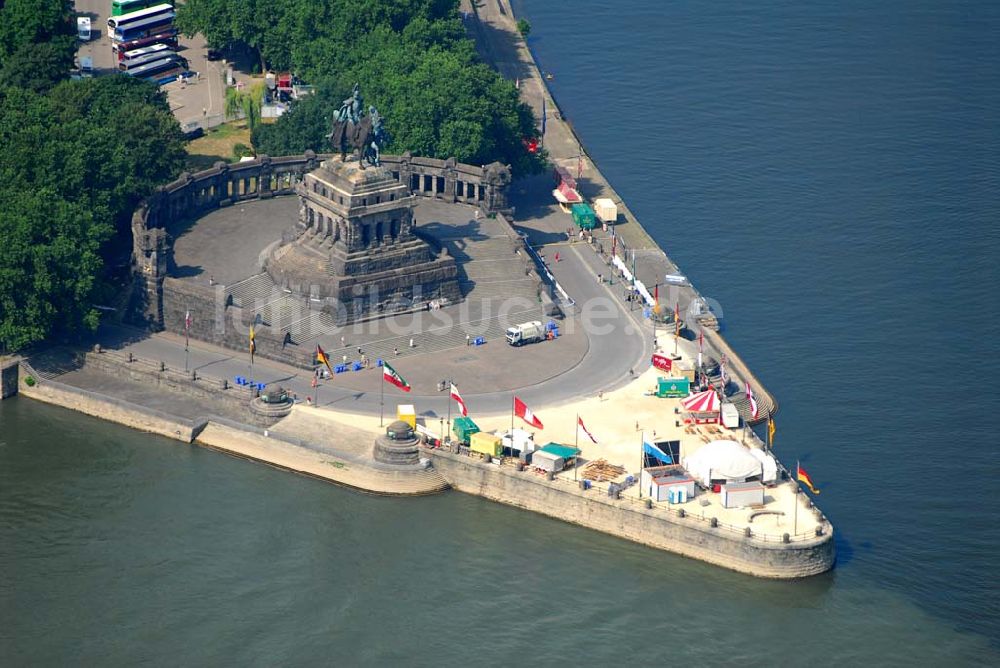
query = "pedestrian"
x=477 y=214
x=600 y=395
x=395 y=351
x=411 y=341
x=468 y=340
x=344 y=359
x=359 y=350
x=637 y=425
x=204 y=111
x=343 y=342
x=211 y=279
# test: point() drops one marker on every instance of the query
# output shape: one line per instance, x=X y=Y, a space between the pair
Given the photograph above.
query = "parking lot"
x=197 y=102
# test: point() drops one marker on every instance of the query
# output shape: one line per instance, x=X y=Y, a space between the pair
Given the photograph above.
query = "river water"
x=829 y=174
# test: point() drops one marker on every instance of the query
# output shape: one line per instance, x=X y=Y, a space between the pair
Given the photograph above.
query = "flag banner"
x=770 y=432
x=656 y=453
x=662 y=362
x=323 y=358
x=677 y=319
x=253 y=344
x=804 y=478
x=754 y=412
x=187 y=320
x=522 y=411
x=579 y=423
x=390 y=376
x=458 y=400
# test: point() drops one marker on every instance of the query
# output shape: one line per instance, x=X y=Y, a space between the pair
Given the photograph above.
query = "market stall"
x=702 y=408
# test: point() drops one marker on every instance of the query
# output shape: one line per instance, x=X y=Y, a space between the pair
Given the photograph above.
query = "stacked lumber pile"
x=600 y=470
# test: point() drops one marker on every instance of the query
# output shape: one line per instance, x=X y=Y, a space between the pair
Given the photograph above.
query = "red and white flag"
x=389 y=375
x=579 y=423
x=701 y=346
x=458 y=400
x=753 y=402
x=522 y=411
x=187 y=320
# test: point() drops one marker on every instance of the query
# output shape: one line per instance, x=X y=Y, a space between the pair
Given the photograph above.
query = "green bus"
x=119 y=7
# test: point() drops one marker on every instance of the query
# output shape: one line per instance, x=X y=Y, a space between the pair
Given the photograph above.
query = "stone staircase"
x=258 y=287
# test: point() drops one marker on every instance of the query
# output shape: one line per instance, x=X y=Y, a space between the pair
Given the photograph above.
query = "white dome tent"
x=727 y=461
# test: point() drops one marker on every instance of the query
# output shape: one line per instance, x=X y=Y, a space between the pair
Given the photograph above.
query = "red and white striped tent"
x=702 y=402
x=703 y=407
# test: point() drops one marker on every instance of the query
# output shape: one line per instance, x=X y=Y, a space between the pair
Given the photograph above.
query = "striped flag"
x=803 y=477
x=323 y=358
x=522 y=411
x=390 y=375
x=701 y=345
x=253 y=344
x=579 y=423
x=753 y=402
x=458 y=400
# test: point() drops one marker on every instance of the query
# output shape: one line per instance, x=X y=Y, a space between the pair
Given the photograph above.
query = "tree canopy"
x=412 y=58
x=77 y=157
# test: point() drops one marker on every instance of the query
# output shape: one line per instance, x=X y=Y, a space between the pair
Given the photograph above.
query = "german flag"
x=803 y=477
x=323 y=358
x=253 y=344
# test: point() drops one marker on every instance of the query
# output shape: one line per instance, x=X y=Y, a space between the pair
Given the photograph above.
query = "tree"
x=25 y=22
x=76 y=160
x=38 y=67
x=411 y=57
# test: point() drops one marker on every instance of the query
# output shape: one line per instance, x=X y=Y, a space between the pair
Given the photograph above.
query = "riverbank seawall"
x=237 y=439
x=625 y=518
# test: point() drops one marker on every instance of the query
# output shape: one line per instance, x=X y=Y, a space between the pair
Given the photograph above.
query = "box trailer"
x=464 y=428
x=583 y=216
x=606 y=210
x=487 y=444
x=742 y=494
x=730 y=416
x=407 y=414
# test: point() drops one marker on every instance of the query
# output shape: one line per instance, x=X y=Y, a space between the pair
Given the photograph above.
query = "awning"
x=702 y=402
x=564 y=451
x=566 y=194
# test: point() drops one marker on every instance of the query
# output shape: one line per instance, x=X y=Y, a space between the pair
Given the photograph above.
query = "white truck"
x=526 y=332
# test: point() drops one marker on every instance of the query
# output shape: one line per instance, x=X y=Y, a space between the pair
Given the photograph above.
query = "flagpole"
x=795 y=531
x=642 y=459
x=512 y=398
x=576 y=444
x=381 y=398
x=187 y=318
x=449 y=414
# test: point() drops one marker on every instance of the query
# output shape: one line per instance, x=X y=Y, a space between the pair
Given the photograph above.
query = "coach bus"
x=125 y=22
x=168 y=38
x=128 y=64
x=151 y=50
x=160 y=70
x=119 y=7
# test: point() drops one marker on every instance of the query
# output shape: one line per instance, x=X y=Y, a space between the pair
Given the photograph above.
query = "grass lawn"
x=216 y=145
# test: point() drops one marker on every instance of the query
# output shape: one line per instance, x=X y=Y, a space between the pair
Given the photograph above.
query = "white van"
x=83 y=28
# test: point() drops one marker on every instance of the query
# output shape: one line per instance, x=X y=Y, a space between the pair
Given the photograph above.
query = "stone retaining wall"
x=113 y=410
x=626 y=519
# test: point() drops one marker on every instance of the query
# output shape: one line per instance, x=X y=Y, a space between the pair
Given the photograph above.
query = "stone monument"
x=354 y=242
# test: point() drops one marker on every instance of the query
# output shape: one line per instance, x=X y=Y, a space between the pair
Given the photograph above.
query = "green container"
x=464 y=428
x=672 y=387
x=584 y=216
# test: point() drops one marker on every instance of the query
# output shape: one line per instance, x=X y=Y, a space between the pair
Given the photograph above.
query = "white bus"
x=127 y=20
x=129 y=64
x=159 y=70
x=126 y=56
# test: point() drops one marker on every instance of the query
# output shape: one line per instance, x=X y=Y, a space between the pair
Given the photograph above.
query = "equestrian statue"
x=354 y=130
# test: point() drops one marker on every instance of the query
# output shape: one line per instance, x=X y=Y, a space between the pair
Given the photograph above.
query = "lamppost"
x=445 y=386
